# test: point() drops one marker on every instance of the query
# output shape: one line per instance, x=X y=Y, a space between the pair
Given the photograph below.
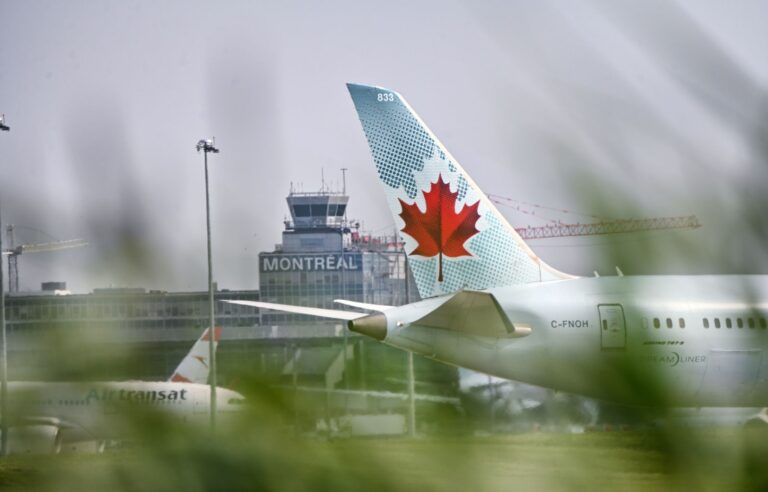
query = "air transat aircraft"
x=492 y=305
x=45 y=417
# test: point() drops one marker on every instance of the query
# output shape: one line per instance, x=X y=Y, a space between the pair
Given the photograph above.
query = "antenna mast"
x=344 y=180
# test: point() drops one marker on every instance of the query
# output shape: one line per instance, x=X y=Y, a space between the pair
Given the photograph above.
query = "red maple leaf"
x=440 y=230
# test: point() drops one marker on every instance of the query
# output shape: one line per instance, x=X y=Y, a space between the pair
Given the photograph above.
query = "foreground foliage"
x=264 y=456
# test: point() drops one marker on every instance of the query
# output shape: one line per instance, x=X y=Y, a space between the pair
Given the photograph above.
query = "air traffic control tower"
x=317 y=222
x=324 y=256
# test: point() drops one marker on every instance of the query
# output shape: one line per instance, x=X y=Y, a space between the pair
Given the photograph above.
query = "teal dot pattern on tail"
x=408 y=159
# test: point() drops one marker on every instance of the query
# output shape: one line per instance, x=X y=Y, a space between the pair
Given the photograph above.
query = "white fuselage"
x=103 y=410
x=675 y=340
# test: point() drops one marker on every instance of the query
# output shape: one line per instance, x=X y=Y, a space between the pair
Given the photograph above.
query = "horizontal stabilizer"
x=473 y=313
x=309 y=311
x=363 y=305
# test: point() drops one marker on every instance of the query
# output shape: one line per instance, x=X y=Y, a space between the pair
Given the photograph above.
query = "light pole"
x=207 y=146
x=4 y=353
x=4 y=362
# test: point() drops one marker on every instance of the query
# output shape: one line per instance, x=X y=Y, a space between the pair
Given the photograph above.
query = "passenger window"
x=762 y=323
x=681 y=322
x=751 y=322
x=739 y=323
x=669 y=322
x=728 y=323
x=717 y=322
x=706 y=322
x=656 y=323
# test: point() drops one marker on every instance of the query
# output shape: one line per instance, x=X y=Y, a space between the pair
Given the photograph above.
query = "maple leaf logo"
x=440 y=230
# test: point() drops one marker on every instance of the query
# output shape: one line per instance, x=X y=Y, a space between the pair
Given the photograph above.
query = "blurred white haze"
x=618 y=109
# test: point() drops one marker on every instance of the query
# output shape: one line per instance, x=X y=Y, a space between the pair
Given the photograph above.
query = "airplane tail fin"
x=194 y=368
x=454 y=236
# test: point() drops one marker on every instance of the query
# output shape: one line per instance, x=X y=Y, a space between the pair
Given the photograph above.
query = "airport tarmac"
x=534 y=461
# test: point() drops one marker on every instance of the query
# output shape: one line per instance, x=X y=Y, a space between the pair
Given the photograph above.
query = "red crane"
x=599 y=226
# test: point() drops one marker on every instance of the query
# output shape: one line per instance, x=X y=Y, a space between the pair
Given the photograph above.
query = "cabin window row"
x=669 y=323
x=740 y=323
x=716 y=322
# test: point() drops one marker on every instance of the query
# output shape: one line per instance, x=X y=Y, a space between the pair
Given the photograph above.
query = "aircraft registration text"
x=570 y=323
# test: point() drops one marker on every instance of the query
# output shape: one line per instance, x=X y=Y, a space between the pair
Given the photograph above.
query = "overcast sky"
x=617 y=109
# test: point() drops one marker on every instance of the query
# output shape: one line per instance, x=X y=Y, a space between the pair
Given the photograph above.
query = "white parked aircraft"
x=490 y=304
x=45 y=416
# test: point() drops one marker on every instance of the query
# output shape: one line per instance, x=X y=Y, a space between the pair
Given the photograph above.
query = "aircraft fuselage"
x=102 y=410
x=671 y=340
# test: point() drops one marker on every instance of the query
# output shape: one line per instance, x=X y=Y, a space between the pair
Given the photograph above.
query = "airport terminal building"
x=143 y=334
x=159 y=325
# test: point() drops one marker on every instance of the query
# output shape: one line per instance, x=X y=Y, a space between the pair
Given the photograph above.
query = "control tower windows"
x=319 y=210
x=335 y=210
x=301 y=210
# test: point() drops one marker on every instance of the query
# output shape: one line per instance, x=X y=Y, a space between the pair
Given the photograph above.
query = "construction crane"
x=608 y=227
x=14 y=251
x=599 y=226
